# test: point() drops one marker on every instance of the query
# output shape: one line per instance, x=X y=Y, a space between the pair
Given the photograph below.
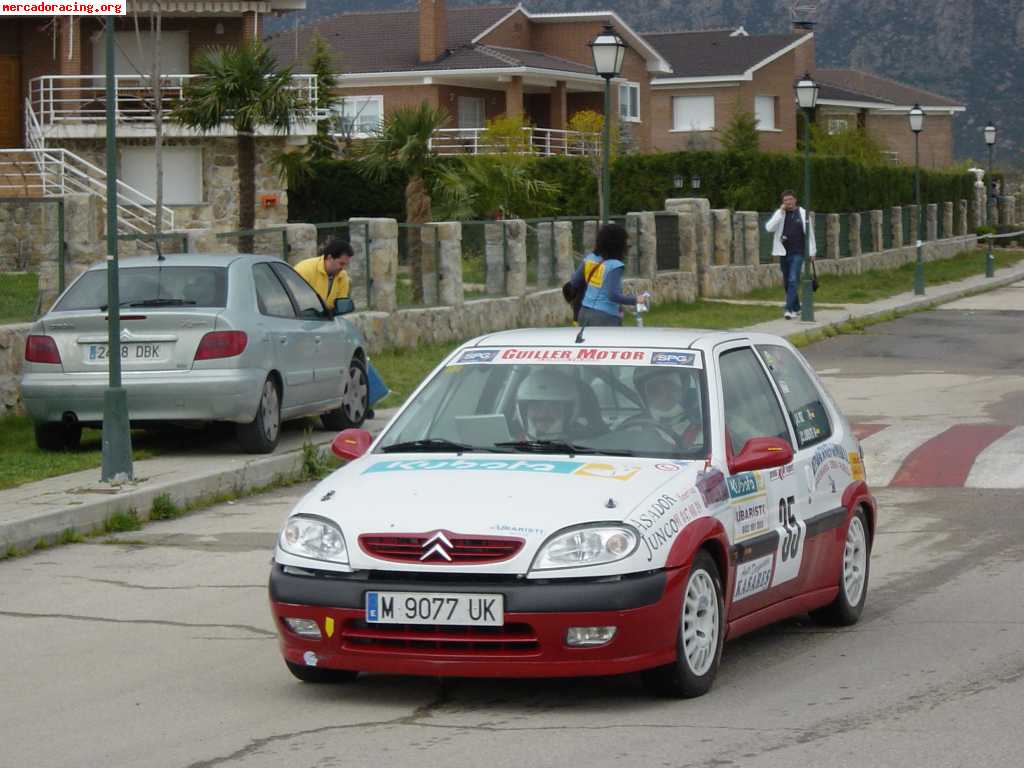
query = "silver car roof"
x=184 y=260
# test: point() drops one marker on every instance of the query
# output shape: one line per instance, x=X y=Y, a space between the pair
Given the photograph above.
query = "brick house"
x=52 y=111
x=678 y=90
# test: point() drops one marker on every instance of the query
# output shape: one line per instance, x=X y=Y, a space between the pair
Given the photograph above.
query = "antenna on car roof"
x=579 y=336
x=159 y=250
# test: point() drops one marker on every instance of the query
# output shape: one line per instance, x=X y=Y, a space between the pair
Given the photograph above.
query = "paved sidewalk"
x=43 y=510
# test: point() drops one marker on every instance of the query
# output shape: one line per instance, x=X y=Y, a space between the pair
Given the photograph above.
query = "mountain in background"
x=968 y=50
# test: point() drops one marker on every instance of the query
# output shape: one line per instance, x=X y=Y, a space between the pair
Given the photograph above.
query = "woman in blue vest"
x=601 y=272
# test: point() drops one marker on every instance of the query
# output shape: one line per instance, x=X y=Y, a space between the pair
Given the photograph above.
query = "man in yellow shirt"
x=326 y=274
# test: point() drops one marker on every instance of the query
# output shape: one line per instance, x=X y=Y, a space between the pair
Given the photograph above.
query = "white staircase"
x=41 y=171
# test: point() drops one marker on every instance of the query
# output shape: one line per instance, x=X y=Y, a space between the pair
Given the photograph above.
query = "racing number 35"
x=790 y=526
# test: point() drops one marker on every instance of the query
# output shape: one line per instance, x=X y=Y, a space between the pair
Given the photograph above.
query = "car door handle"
x=284 y=339
x=316 y=339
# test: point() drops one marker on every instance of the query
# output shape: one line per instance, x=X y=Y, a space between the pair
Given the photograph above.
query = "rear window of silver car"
x=150 y=287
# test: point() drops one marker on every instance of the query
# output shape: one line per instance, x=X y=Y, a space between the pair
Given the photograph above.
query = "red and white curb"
x=931 y=454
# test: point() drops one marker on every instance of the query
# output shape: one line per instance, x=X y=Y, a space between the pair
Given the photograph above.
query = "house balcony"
x=75 y=106
x=536 y=141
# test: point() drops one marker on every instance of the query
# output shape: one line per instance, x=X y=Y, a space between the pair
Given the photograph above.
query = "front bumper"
x=645 y=610
x=194 y=395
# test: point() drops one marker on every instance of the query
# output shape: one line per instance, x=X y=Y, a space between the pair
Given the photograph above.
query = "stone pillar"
x=515 y=257
x=877 y=242
x=449 y=263
x=980 y=214
x=896 y=225
x=961 y=217
x=915 y=224
x=687 y=241
x=854 y=234
x=563 y=258
x=931 y=222
x=545 y=254
x=494 y=257
x=752 y=238
x=947 y=219
x=738 y=240
x=1005 y=209
x=831 y=235
x=301 y=242
x=643 y=244
x=722 y=222
x=559 y=110
x=429 y=246
x=382 y=262
x=590 y=228
x=514 y=97
x=700 y=207
x=358 y=273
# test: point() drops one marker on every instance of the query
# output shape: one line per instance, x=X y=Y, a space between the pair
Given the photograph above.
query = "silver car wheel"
x=354 y=398
x=270 y=411
x=855 y=557
x=700 y=623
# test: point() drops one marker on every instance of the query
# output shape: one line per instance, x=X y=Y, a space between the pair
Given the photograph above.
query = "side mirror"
x=761 y=453
x=344 y=307
x=351 y=443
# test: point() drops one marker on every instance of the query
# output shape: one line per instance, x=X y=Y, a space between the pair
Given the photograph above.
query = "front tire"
x=701 y=635
x=853 y=577
x=320 y=675
x=58 y=436
x=262 y=433
x=355 y=400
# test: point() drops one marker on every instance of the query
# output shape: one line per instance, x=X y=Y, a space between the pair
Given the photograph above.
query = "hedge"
x=642 y=182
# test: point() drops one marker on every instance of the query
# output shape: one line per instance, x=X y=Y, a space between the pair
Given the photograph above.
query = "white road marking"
x=885 y=451
x=1001 y=465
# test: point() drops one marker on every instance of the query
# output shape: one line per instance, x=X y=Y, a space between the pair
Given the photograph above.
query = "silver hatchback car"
x=232 y=338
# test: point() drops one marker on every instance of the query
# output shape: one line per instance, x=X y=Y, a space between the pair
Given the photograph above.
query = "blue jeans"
x=791 y=264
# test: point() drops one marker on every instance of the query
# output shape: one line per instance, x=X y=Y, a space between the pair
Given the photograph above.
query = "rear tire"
x=320 y=675
x=58 y=436
x=262 y=433
x=700 y=638
x=355 y=400
x=853 y=577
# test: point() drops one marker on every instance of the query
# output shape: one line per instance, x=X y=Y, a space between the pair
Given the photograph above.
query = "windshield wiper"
x=432 y=444
x=150 y=303
x=558 y=446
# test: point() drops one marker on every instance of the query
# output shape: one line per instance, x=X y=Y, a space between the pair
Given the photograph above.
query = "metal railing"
x=64 y=99
x=57 y=172
x=536 y=141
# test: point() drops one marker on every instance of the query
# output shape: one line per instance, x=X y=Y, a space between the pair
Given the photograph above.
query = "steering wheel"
x=643 y=422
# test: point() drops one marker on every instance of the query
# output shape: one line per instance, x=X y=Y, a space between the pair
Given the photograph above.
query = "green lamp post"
x=807 y=98
x=990 y=139
x=916 y=116
x=608 y=50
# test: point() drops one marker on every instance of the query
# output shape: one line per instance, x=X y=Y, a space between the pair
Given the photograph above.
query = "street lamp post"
x=990 y=139
x=806 y=98
x=916 y=116
x=608 y=50
x=116 y=440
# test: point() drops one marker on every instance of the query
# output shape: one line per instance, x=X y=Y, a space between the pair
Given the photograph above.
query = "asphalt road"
x=159 y=650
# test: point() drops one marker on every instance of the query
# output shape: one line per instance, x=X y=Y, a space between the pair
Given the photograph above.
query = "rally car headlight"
x=586 y=546
x=313 y=537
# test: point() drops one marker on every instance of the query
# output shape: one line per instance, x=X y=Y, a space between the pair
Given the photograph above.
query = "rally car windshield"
x=623 y=407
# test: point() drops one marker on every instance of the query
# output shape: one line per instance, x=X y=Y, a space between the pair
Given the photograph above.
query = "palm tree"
x=242 y=86
x=403 y=144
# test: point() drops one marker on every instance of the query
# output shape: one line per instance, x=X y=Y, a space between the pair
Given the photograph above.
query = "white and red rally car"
x=555 y=503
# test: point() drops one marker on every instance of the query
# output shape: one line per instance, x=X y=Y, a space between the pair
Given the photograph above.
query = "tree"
x=323 y=146
x=854 y=144
x=241 y=86
x=591 y=125
x=740 y=135
x=403 y=143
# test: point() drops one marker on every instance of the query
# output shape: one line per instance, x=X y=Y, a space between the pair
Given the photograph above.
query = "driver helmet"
x=663 y=392
x=546 y=403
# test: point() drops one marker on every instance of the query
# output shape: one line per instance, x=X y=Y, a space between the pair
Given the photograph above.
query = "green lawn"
x=881 y=284
x=19 y=294
x=21 y=462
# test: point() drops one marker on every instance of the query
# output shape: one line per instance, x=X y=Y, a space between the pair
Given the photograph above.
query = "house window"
x=183 y=173
x=134 y=55
x=629 y=102
x=764 y=113
x=892 y=157
x=838 y=125
x=359 y=116
x=472 y=113
x=693 y=113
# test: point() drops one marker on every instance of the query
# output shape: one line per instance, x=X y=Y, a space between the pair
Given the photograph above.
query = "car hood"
x=524 y=496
